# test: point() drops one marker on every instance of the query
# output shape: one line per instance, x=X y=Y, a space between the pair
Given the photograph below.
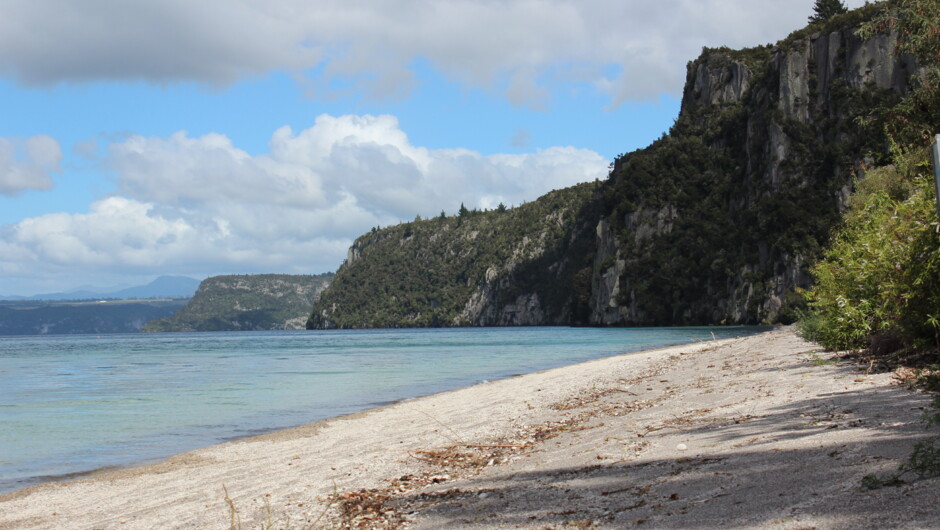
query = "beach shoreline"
x=68 y=472
x=611 y=428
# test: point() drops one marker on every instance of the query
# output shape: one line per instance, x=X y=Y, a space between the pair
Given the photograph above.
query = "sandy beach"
x=736 y=433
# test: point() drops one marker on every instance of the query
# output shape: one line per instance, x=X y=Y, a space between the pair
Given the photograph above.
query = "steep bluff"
x=715 y=222
x=718 y=221
x=247 y=302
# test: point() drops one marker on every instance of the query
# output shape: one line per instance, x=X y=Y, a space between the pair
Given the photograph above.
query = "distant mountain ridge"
x=162 y=287
x=247 y=302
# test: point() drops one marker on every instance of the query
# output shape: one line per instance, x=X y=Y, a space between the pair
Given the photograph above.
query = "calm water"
x=71 y=404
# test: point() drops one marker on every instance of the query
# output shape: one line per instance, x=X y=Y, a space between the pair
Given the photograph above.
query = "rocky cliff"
x=716 y=222
x=247 y=302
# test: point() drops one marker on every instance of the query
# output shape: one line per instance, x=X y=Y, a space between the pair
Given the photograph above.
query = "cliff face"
x=716 y=222
x=759 y=166
x=247 y=302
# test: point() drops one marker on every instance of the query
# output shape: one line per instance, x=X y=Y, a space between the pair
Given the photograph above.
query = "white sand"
x=743 y=433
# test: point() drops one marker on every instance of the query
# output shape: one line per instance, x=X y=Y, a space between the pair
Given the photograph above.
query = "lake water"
x=71 y=404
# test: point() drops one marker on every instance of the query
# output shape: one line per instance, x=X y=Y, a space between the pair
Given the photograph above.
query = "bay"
x=71 y=404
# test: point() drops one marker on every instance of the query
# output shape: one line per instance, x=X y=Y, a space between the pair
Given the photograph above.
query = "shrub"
x=879 y=281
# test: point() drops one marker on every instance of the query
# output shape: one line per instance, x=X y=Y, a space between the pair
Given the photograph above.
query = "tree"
x=501 y=208
x=825 y=9
x=463 y=212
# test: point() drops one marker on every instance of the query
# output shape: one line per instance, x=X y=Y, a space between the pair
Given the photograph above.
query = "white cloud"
x=510 y=45
x=200 y=205
x=28 y=164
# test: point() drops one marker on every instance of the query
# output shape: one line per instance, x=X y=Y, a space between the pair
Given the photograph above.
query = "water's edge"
x=241 y=431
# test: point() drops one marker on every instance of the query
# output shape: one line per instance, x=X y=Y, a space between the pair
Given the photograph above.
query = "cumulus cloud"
x=202 y=205
x=28 y=164
x=368 y=159
x=511 y=45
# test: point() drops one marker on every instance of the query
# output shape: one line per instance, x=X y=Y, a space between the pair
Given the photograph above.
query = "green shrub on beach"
x=879 y=282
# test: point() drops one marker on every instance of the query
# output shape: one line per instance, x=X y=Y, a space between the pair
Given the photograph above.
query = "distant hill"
x=247 y=302
x=58 y=318
x=162 y=287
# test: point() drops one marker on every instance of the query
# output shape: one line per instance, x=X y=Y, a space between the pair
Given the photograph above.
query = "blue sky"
x=142 y=138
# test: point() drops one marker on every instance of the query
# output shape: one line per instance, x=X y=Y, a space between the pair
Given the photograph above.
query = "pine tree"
x=826 y=9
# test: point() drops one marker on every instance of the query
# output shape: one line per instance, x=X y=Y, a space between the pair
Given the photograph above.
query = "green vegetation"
x=853 y=18
x=825 y=9
x=247 y=302
x=879 y=283
x=424 y=273
x=819 y=361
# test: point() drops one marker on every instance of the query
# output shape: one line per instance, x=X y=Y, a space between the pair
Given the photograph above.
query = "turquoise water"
x=70 y=404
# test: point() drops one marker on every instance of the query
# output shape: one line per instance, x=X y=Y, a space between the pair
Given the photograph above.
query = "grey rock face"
x=802 y=87
x=719 y=81
x=794 y=90
x=605 y=286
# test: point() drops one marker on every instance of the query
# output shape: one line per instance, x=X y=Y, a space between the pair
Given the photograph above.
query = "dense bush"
x=879 y=282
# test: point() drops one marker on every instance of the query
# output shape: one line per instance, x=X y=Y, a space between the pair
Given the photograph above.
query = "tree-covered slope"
x=514 y=266
x=716 y=222
x=247 y=302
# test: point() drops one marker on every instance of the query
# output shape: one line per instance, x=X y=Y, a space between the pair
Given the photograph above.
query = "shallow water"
x=70 y=404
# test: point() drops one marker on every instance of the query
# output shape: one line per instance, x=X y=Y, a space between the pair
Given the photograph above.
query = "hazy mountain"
x=162 y=287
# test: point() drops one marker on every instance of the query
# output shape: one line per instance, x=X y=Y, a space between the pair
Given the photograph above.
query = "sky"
x=148 y=137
